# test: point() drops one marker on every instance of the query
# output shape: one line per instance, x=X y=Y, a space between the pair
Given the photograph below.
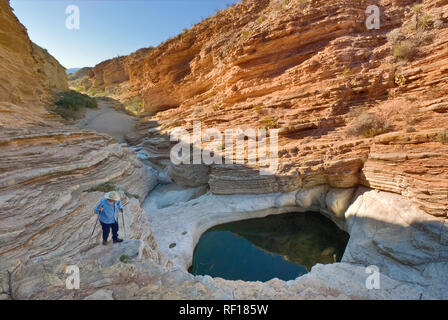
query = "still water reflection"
x=281 y=246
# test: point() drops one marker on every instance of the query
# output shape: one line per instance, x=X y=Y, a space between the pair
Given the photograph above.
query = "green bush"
x=71 y=103
x=270 y=122
x=135 y=106
x=104 y=187
x=125 y=258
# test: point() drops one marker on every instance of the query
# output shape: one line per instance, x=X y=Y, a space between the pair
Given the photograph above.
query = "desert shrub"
x=425 y=21
x=347 y=72
x=97 y=93
x=245 y=34
x=125 y=258
x=131 y=195
x=411 y=116
x=257 y=108
x=104 y=187
x=405 y=49
x=110 y=186
x=400 y=80
x=270 y=122
x=442 y=137
x=420 y=20
x=135 y=106
x=394 y=36
x=79 y=88
x=416 y=8
x=261 y=19
x=368 y=125
x=283 y=4
x=71 y=103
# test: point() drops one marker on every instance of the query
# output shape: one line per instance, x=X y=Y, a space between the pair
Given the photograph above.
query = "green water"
x=281 y=246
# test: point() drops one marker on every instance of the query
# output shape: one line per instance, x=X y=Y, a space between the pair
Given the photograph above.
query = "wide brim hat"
x=113 y=195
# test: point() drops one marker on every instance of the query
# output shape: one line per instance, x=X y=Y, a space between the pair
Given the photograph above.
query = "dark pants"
x=106 y=230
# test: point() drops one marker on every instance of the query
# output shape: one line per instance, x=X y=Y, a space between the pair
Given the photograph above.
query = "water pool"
x=280 y=246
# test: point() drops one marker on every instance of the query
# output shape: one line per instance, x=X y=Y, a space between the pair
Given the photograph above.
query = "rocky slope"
x=310 y=68
x=46 y=170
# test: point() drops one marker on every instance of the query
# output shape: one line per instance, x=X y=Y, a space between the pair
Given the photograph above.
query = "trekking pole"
x=122 y=219
x=124 y=227
x=94 y=228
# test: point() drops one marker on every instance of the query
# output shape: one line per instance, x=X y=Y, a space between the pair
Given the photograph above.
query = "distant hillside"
x=78 y=80
x=72 y=70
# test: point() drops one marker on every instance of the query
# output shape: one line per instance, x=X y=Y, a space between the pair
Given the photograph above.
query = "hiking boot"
x=118 y=240
x=104 y=243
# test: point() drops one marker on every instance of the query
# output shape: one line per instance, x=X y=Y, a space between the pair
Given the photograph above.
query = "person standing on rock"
x=108 y=211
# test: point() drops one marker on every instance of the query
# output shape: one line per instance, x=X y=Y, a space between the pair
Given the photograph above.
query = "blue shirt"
x=109 y=214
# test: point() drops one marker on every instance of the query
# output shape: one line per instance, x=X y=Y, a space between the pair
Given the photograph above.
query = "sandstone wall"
x=110 y=76
x=19 y=80
x=27 y=72
x=52 y=72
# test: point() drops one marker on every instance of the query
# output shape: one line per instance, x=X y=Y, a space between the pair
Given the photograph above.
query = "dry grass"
x=442 y=137
x=257 y=108
x=405 y=49
x=368 y=125
x=135 y=106
x=270 y=122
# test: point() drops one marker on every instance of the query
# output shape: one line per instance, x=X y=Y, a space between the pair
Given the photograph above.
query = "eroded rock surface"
x=406 y=245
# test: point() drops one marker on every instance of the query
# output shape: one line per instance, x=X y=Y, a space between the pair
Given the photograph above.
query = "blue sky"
x=108 y=27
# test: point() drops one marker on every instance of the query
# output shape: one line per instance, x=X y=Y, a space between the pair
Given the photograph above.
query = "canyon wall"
x=29 y=75
x=314 y=71
x=48 y=176
x=110 y=77
x=53 y=74
x=27 y=72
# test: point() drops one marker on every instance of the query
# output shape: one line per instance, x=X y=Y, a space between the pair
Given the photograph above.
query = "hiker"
x=108 y=211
